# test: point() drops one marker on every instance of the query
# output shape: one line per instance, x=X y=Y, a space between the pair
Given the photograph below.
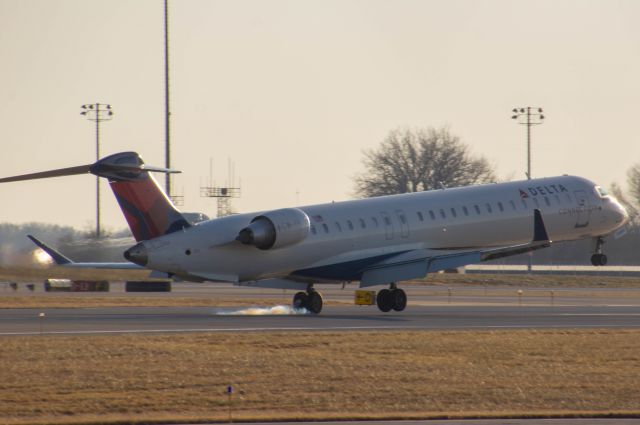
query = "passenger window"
x=442 y=214
x=558 y=200
x=325 y=227
x=535 y=201
x=489 y=208
x=477 y=208
x=420 y=216
x=362 y=223
x=546 y=201
x=375 y=221
x=568 y=197
x=432 y=215
x=387 y=221
x=465 y=210
x=403 y=219
x=524 y=204
x=500 y=207
x=313 y=229
x=513 y=205
x=453 y=212
x=350 y=224
x=339 y=227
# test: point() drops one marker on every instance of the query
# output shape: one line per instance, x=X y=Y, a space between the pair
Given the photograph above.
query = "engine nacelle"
x=276 y=229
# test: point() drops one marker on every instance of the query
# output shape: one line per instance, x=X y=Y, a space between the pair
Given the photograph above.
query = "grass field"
x=286 y=376
x=533 y=280
x=435 y=287
x=86 y=300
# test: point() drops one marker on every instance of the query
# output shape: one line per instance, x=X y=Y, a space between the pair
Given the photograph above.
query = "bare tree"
x=425 y=159
x=633 y=179
x=629 y=205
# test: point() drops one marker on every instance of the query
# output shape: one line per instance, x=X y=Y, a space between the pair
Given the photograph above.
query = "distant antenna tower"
x=223 y=194
x=178 y=200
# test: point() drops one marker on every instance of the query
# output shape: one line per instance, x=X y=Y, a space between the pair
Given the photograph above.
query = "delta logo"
x=551 y=189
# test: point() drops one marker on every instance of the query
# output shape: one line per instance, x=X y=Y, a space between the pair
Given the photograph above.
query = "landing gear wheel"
x=398 y=299
x=314 y=302
x=300 y=300
x=599 y=259
x=384 y=300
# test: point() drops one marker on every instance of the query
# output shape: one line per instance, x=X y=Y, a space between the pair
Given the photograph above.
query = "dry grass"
x=435 y=287
x=523 y=280
x=84 y=300
x=536 y=280
x=61 y=379
x=27 y=274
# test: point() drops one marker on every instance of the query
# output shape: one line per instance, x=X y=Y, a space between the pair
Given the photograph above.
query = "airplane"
x=374 y=241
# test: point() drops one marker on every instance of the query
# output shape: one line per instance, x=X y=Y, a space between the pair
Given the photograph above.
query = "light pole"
x=167 y=115
x=97 y=112
x=528 y=116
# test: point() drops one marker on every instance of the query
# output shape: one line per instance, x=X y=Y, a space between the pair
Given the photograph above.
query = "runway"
x=430 y=308
x=333 y=318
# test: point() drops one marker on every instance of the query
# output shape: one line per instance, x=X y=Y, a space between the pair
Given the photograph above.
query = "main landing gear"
x=311 y=300
x=393 y=298
x=599 y=259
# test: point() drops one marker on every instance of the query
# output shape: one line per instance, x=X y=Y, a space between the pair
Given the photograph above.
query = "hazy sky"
x=293 y=91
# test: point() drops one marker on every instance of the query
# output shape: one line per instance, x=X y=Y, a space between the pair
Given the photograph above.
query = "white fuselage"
x=341 y=233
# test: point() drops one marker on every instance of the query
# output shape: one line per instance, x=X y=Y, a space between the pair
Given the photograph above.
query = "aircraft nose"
x=620 y=213
x=137 y=254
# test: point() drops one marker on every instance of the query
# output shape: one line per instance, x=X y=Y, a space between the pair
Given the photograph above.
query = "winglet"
x=540 y=240
x=539 y=229
x=57 y=256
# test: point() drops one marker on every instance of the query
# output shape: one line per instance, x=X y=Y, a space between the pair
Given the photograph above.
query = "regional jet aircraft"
x=375 y=241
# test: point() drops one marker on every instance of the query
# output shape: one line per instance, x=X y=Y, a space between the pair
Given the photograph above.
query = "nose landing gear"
x=393 y=298
x=598 y=258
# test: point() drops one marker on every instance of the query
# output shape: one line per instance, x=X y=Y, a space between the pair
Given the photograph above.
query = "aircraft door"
x=583 y=210
x=388 y=225
x=404 y=224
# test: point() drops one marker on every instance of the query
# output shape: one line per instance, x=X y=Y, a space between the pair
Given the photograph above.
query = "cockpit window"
x=601 y=191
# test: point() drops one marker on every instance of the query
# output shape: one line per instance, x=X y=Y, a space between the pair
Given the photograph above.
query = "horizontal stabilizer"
x=121 y=166
x=70 y=171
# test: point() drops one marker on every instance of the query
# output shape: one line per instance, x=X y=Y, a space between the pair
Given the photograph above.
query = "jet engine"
x=276 y=229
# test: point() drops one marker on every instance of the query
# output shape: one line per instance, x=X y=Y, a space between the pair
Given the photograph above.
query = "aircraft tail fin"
x=147 y=209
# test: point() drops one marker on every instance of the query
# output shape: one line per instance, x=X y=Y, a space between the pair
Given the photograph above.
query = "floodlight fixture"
x=97 y=112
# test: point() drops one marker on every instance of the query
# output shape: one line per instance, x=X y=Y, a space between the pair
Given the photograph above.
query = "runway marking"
x=330 y=328
x=598 y=314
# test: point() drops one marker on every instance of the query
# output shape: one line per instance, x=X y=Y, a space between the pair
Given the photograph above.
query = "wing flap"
x=275 y=284
x=386 y=273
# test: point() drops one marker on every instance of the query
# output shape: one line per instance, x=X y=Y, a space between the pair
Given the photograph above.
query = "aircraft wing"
x=64 y=261
x=416 y=264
